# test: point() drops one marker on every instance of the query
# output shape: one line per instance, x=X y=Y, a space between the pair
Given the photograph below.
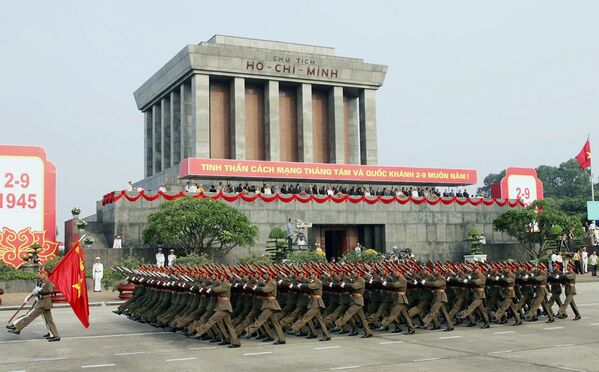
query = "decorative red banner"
x=265 y=170
x=306 y=198
x=14 y=246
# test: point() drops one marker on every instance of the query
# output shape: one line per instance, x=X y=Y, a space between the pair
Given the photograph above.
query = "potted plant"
x=75 y=212
x=88 y=241
x=32 y=259
x=473 y=240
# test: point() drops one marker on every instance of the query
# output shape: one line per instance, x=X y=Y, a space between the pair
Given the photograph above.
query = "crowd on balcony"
x=336 y=190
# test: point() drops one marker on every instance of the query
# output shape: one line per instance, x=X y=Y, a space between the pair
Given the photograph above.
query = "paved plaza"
x=116 y=343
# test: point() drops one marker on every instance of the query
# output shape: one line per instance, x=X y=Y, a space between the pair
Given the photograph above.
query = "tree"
x=566 y=187
x=200 y=226
x=537 y=226
x=277 y=244
x=491 y=179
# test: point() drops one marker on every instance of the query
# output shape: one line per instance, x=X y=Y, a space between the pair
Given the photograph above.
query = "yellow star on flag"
x=78 y=286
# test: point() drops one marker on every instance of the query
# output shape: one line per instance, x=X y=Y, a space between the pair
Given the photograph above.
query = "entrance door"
x=334 y=243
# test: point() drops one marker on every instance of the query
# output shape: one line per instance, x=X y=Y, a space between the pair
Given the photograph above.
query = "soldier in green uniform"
x=398 y=284
x=508 y=282
x=477 y=280
x=314 y=308
x=222 y=289
x=437 y=283
x=570 y=285
x=356 y=284
x=43 y=307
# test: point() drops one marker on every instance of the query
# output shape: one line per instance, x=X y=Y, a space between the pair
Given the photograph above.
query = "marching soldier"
x=477 y=280
x=570 y=284
x=42 y=307
x=356 y=284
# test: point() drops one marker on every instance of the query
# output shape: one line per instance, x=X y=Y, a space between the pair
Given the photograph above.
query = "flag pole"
x=591 y=169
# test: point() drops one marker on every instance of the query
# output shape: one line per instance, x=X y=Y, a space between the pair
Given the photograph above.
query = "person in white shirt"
x=160 y=258
x=162 y=188
x=187 y=187
x=117 y=243
x=482 y=239
x=193 y=188
x=130 y=187
x=554 y=256
x=593 y=262
x=585 y=260
x=357 y=248
x=171 y=257
x=98 y=273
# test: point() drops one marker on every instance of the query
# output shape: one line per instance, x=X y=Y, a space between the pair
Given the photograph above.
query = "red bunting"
x=306 y=198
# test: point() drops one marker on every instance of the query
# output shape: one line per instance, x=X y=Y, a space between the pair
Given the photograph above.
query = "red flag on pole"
x=584 y=156
x=69 y=277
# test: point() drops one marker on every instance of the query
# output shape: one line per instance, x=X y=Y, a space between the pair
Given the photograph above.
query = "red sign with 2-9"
x=27 y=202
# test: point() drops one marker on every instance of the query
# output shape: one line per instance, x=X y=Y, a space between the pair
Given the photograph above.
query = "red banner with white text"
x=246 y=169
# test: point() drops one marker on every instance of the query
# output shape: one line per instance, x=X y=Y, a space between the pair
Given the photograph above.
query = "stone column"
x=304 y=122
x=148 y=143
x=200 y=116
x=175 y=117
x=165 y=121
x=156 y=139
x=354 y=131
x=271 y=121
x=237 y=108
x=337 y=151
x=368 y=150
x=186 y=121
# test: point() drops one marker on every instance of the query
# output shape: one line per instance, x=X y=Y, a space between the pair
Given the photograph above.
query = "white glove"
x=201 y=290
x=557 y=277
x=290 y=285
x=531 y=275
x=342 y=284
x=36 y=290
x=469 y=277
x=465 y=280
x=299 y=285
x=192 y=287
x=415 y=281
x=331 y=284
x=384 y=283
x=502 y=277
x=423 y=281
x=254 y=287
x=244 y=286
x=209 y=290
x=280 y=281
x=525 y=276
x=448 y=278
x=496 y=278
x=370 y=281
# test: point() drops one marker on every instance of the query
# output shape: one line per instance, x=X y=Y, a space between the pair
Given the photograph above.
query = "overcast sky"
x=471 y=84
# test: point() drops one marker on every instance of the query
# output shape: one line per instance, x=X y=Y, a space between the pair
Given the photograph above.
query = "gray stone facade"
x=176 y=99
x=432 y=232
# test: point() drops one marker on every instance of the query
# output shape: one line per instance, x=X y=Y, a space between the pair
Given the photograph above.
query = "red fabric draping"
x=306 y=198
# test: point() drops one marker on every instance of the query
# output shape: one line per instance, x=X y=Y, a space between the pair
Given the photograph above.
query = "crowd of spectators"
x=336 y=190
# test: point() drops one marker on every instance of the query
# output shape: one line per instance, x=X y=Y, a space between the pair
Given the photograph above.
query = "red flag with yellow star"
x=69 y=278
x=584 y=156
